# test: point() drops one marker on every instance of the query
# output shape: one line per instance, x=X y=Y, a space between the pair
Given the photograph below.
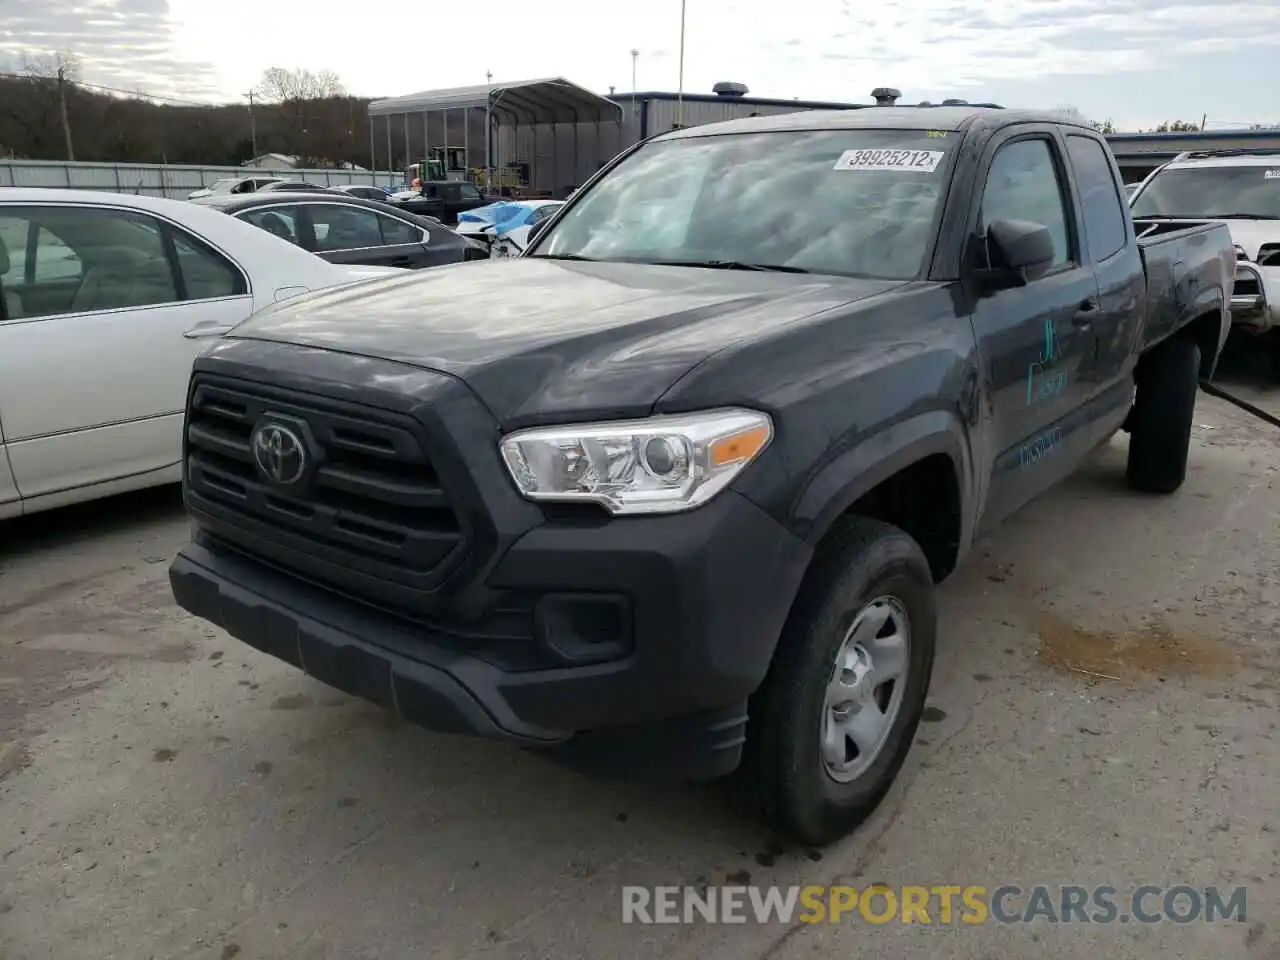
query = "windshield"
x=846 y=202
x=1212 y=192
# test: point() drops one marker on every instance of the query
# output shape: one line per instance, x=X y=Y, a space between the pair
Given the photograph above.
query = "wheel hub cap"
x=865 y=690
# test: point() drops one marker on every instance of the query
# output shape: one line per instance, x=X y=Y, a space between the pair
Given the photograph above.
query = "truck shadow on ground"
x=125 y=515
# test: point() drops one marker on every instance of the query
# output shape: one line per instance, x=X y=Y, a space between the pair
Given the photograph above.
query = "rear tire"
x=1163 y=411
x=803 y=771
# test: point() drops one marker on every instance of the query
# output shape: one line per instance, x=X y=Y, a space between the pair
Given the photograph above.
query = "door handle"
x=208 y=329
x=1085 y=313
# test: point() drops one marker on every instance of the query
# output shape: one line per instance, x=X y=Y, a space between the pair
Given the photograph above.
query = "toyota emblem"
x=279 y=453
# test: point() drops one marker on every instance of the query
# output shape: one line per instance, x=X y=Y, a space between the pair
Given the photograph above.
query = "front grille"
x=374 y=503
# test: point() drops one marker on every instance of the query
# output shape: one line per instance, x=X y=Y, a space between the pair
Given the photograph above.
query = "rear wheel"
x=832 y=724
x=1163 y=411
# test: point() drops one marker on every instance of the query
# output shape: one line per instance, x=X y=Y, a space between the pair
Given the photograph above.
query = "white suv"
x=1242 y=188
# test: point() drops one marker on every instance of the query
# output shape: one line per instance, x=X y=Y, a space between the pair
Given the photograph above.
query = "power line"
x=103 y=88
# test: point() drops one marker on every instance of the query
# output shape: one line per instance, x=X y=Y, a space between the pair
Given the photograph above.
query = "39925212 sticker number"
x=1271 y=175
x=895 y=161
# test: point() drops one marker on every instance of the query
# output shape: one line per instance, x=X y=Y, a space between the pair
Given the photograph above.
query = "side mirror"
x=1017 y=252
x=536 y=229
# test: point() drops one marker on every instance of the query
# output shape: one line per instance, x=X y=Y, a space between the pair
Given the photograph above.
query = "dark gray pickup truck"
x=671 y=491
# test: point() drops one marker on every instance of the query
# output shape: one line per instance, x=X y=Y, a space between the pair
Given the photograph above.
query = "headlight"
x=663 y=464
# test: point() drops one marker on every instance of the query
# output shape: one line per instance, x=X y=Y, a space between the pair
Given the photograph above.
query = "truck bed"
x=1182 y=258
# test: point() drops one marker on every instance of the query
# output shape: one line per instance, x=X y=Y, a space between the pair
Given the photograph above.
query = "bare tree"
x=36 y=110
x=279 y=85
x=298 y=95
x=1071 y=114
x=47 y=66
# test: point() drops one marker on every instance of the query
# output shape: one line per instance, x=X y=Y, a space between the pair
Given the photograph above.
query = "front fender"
x=867 y=461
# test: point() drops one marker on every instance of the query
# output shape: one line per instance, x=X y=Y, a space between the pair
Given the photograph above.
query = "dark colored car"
x=344 y=229
x=443 y=199
x=364 y=191
x=671 y=492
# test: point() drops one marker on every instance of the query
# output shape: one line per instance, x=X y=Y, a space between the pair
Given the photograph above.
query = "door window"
x=1023 y=184
x=280 y=221
x=206 y=273
x=339 y=227
x=1104 y=217
x=396 y=231
x=86 y=259
x=54 y=259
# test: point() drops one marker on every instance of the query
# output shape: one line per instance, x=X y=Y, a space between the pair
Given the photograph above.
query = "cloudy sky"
x=1136 y=62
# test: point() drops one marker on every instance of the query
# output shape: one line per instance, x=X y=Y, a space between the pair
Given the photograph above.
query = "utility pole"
x=62 y=100
x=488 y=125
x=680 y=93
x=253 y=126
x=635 y=55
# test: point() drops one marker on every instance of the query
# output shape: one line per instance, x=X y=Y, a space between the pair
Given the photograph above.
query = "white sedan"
x=105 y=300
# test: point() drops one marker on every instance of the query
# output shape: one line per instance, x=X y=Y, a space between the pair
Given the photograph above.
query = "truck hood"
x=538 y=339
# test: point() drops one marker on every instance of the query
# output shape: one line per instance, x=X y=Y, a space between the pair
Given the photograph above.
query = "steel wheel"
x=865 y=690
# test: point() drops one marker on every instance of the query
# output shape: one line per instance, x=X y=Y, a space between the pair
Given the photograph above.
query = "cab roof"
x=1226 y=158
x=949 y=118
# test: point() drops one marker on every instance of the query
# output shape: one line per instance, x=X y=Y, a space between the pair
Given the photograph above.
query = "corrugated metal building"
x=651 y=113
x=557 y=150
x=559 y=134
x=1139 y=153
x=551 y=128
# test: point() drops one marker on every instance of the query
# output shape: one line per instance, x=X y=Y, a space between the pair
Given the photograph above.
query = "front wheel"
x=832 y=724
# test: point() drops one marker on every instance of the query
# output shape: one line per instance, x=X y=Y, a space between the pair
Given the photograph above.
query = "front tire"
x=832 y=723
x=1161 y=418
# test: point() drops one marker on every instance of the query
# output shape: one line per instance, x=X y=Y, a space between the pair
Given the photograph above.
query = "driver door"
x=1029 y=338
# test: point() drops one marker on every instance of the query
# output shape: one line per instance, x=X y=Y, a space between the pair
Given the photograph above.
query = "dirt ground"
x=1104 y=712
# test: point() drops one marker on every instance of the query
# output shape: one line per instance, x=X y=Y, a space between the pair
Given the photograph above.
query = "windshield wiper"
x=1239 y=216
x=561 y=256
x=729 y=265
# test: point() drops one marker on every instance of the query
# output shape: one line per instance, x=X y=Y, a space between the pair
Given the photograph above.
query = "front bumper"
x=1255 y=301
x=705 y=596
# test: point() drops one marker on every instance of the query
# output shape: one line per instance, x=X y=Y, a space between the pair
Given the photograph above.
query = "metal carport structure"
x=525 y=105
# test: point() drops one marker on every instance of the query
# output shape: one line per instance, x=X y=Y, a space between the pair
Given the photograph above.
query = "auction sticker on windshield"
x=914 y=161
x=1271 y=175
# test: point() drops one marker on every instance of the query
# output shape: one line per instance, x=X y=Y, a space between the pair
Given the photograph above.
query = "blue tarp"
x=503 y=216
x=494 y=213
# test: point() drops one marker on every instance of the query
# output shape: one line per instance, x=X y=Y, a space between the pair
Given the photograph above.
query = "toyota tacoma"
x=671 y=491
